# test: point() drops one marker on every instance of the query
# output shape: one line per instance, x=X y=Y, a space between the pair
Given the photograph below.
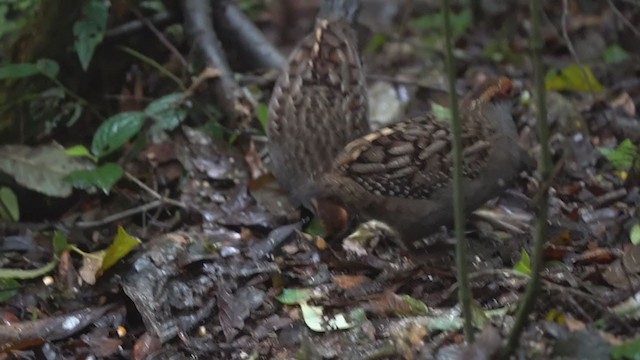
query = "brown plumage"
x=402 y=174
x=319 y=103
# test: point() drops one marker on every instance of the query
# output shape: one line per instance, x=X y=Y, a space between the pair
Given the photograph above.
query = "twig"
x=572 y=50
x=231 y=22
x=458 y=205
x=154 y=193
x=163 y=39
x=120 y=215
x=133 y=26
x=545 y=168
x=625 y=21
x=235 y=104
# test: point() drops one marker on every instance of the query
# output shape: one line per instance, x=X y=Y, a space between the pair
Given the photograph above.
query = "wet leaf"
x=9 y=208
x=89 y=30
x=45 y=67
x=102 y=177
x=572 y=78
x=615 y=54
x=621 y=157
x=315 y=319
x=168 y=111
x=8 y=289
x=80 y=151
x=121 y=246
x=42 y=168
x=524 y=264
x=294 y=296
x=635 y=234
x=115 y=132
x=263 y=115
x=628 y=350
x=60 y=242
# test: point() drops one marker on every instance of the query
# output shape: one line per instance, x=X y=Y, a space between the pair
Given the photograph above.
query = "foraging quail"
x=402 y=174
x=319 y=103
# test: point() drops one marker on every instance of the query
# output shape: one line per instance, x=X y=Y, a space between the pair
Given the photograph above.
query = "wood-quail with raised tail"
x=319 y=103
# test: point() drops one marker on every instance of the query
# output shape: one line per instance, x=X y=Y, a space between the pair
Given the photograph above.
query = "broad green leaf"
x=294 y=296
x=60 y=242
x=45 y=67
x=89 y=29
x=629 y=350
x=635 y=234
x=121 y=246
x=102 y=177
x=9 y=204
x=16 y=71
x=622 y=156
x=48 y=67
x=615 y=54
x=263 y=115
x=115 y=132
x=168 y=111
x=80 y=151
x=8 y=289
x=41 y=168
x=524 y=264
x=572 y=78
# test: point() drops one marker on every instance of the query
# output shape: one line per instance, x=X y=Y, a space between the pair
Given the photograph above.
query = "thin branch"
x=121 y=215
x=464 y=294
x=163 y=39
x=624 y=20
x=154 y=193
x=545 y=168
x=234 y=102
x=231 y=22
x=572 y=50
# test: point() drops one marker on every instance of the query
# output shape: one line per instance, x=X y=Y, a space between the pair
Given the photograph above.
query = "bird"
x=401 y=175
x=319 y=103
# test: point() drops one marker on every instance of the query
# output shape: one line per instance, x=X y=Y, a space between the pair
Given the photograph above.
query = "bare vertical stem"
x=541 y=206
x=464 y=292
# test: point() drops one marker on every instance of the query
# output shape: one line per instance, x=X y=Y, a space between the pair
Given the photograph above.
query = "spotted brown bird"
x=401 y=175
x=319 y=103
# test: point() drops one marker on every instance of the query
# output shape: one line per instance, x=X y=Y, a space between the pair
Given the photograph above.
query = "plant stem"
x=464 y=292
x=541 y=205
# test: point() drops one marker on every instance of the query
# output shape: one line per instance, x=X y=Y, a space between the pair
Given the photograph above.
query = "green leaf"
x=441 y=113
x=615 y=54
x=28 y=274
x=48 y=68
x=80 y=151
x=434 y=23
x=572 y=78
x=524 y=264
x=102 y=177
x=376 y=43
x=315 y=319
x=263 y=116
x=168 y=111
x=115 y=132
x=45 y=67
x=60 y=242
x=9 y=205
x=89 y=29
x=635 y=234
x=294 y=296
x=622 y=156
x=8 y=289
x=41 y=168
x=121 y=246
x=627 y=350
x=17 y=71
